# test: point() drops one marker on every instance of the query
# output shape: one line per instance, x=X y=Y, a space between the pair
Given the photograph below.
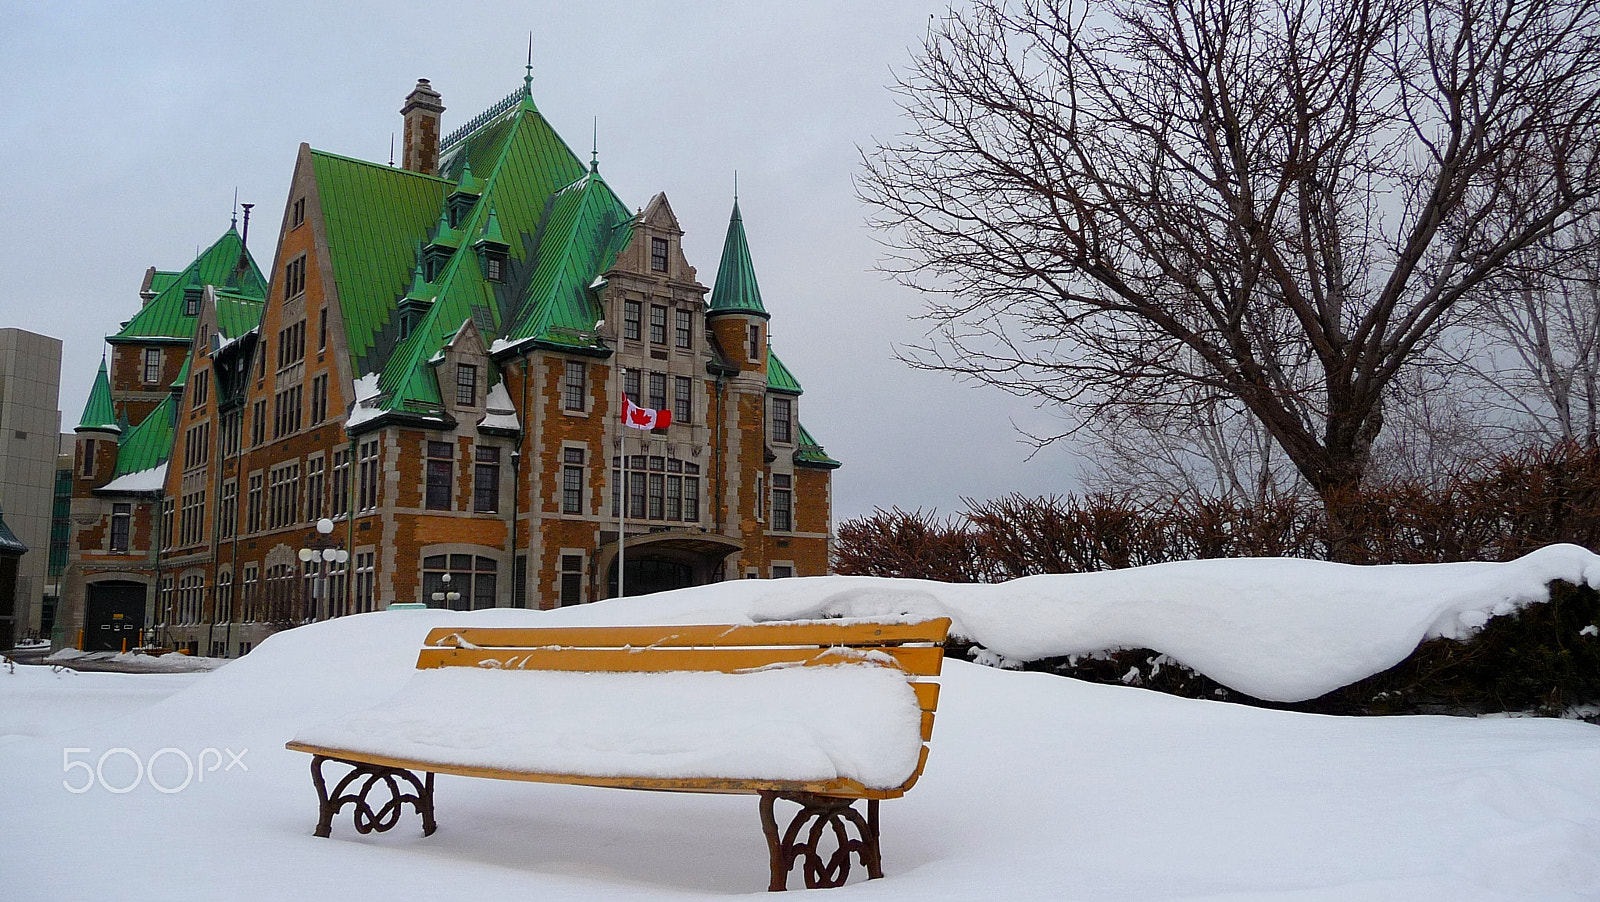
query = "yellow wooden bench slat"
x=927 y=695
x=695 y=635
x=919 y=660
x=842 y=788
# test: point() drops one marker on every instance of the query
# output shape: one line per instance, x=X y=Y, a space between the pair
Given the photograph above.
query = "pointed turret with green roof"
x=99 y=414
x=736 y=290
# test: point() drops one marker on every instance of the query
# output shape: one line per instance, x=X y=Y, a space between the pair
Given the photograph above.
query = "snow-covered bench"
x=821 y=714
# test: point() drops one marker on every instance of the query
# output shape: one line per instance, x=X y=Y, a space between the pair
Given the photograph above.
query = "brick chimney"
x=421 y=114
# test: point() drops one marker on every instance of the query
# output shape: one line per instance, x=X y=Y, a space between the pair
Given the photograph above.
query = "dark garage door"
x=113 y=616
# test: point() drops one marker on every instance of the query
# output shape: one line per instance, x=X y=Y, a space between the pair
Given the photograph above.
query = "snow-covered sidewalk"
x=1037 y=787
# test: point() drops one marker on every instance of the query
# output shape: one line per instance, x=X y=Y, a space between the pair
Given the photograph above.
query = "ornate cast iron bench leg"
x=366 y=819
x=824 y=814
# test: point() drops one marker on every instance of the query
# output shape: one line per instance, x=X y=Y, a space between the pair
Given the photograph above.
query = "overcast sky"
x=127 y=127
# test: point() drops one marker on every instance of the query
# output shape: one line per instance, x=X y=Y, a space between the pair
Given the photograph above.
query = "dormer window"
x=466 y=385
x=658 y=255
x=460 y=205
x=191 y=304
x=494 y=267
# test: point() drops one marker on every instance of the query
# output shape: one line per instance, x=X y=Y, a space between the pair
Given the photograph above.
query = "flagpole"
x=622 y=490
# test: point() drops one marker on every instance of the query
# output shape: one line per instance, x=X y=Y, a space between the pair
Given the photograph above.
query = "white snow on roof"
x=365 y=406
x=499 y=413
x=151 y=480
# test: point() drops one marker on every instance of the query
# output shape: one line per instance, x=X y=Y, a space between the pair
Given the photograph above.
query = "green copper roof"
x=165 y=319
x=237 y=314
x=150 y=443
x=587 y=226
x=778 y=376
x=9 y=543
x=374 y=215
x=99 y=413
x=183 y=375
x=528 y=165
x=736 y=290
x=162 y=280
x=809 y=453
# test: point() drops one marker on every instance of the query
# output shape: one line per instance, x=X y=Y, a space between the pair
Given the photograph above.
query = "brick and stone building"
x=437 y=367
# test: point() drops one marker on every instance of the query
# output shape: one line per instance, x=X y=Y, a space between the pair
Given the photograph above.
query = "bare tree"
x=1278 y=202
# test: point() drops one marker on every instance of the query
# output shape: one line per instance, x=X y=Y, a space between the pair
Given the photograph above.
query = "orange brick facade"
x=519 y=506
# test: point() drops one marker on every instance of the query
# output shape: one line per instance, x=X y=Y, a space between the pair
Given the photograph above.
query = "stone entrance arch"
x=668 y=559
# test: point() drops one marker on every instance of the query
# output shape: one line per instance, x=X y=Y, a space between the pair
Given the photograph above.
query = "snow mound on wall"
x=1281 y=629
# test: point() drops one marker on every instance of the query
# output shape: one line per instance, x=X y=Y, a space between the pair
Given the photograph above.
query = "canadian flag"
x=643 y=417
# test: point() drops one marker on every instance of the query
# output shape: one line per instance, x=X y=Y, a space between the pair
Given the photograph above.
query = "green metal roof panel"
x=237 y=314
x=183 y=373
x=375 y=215
x=532 y=165
x=9 y=543
x=162 y=280
x=810 y=453
x=586 y=228
x=778 y=376
x=736 y=290
x=99 y=412
x=149 y=445
x=164 y=318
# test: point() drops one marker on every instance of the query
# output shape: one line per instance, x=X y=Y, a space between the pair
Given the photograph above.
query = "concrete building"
x=437 y=366
x=30 y=421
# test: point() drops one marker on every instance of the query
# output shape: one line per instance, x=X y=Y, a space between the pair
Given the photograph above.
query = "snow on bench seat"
x=782 y=724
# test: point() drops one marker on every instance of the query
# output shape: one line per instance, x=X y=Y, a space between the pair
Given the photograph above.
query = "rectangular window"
x=286 y=412
x=294 y=277
x=258 y=423
x=658 y=255
x=364 y=575
x=228 y=509
x=684 y=330
x=466 y=385
x=494 y=268
x=755 y=342
x=682 y=400
x=225 y=612
x=486 y=481
x=658 y=390
x=441 y=468
x=782 y=418
x=657 y=496
x=299 y=213
x=253 y=504
x=691 y=499
x=322 y=330
x=319 y=399
x=674 y=497
x=572 y=481
x=367 y=474
x=152 y=366
x=291 y=344
x=636 y=494
x=201 y=390
x=630 y=385
x=519 y=581
x=314 y=484
x=283 y=495
x=121 y=519
x=782 y=503
x=571 y=579
x=782 y=571
x=658 y=324
x=88 y=458
x=631 y=320
x=574 y=385
x=167 y=518
x=339 y=485
x=247 y=595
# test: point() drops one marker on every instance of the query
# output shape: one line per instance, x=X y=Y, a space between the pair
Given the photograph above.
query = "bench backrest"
x=915 y=648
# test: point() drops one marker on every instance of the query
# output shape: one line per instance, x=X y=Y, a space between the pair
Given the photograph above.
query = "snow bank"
x=136 y=662
x=1281 y=629
x=859 y=722
x=151 y=480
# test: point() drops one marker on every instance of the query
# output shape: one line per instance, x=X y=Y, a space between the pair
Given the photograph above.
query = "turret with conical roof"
x=99 y=414
x=736 y=315
x=98 y=434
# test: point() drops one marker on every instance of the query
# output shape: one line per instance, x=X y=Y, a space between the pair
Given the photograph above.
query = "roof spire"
x=527 y=79
x=594 y=148
x=736 y=289
x=99 y=413
x=736 y=192
x=234 y=222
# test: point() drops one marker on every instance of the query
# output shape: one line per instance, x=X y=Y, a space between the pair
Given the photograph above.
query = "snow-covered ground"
x=1038 y=787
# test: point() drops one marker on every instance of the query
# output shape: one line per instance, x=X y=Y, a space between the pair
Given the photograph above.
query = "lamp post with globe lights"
x=445 y=596
x=324 y=551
